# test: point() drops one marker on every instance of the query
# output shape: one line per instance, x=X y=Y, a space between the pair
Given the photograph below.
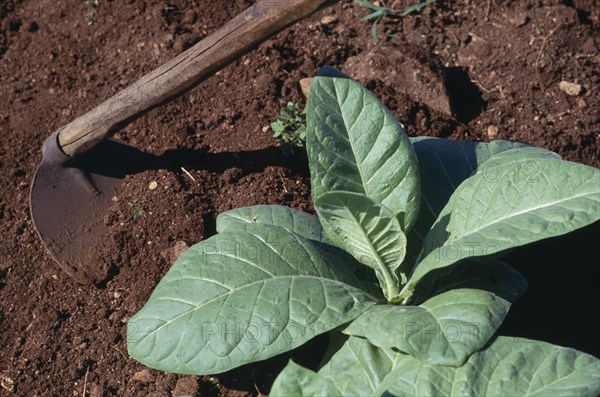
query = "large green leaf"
x=354 y=144
x=295 y=380
x=506 y=367
x=299 y=222
x=367 y=230
x=358 y=367
x=517 y=197
x=444 y=330
x=444 y=164
x=243 y=296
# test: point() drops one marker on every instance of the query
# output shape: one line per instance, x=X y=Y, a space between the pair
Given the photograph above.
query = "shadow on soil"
x=465 y=97
x=249 y=161
x=560 y=305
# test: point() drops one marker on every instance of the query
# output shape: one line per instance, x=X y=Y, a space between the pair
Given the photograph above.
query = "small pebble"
x=492 y=132
x=265 y=128
x=328 y=20
x=305 y=85
x=570 y=88
x=153 y=185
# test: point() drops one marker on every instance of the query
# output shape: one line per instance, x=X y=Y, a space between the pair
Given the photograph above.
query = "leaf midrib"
x=495 y=222
x=382 y=267
x=346 y=125
x=526 y=211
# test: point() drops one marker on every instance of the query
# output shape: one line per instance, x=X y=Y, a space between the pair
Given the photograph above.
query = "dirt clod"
x=492 y=132
x=413 y=71
x=186 y=386
x=143 y=376
x=171 y=254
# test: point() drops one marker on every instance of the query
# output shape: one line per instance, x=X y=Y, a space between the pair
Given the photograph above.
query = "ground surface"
x=503 y=63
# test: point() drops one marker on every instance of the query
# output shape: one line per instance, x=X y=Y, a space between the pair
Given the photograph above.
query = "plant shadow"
x=560 y=305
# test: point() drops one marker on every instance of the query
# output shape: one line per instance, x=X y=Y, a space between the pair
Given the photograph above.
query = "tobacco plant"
x=402 y=264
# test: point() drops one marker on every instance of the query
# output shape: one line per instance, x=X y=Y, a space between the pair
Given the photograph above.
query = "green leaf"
x=368 y=5
x=277 y=127
x=295 y=380
x=496 y=277
x=358 y=367
x=241 y=297
x=354 y=144
x=306 y=225
x=517 y=197
x=367 y=230
x=373 y=31
x=416 y=7
x=445 y=164
x=506 y=367
x=444 y=330
x=301 y=223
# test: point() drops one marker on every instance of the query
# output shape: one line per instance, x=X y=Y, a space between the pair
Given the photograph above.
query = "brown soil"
x=494 y=69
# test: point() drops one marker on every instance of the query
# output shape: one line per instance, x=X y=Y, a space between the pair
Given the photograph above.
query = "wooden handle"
x=181 y=74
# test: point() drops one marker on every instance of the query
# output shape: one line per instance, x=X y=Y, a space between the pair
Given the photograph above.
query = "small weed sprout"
x=138 y=211
x=290 y=128
x=379 y=12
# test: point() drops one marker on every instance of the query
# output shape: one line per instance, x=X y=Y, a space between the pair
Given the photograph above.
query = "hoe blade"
x=69 y=201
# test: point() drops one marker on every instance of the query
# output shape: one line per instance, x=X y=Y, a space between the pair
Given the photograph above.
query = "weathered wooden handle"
x=181 y=74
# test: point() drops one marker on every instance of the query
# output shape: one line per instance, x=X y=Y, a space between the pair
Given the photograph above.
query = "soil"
x=488 y=70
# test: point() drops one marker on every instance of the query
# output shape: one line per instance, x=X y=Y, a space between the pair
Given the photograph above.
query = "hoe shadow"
x=249 y=161
x=117 y=159
x=199 y=159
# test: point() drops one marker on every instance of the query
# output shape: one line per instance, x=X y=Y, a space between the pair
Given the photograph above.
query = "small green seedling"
x=290 y=127
x=401 y=266
x=138 y=211
x=380 y=12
